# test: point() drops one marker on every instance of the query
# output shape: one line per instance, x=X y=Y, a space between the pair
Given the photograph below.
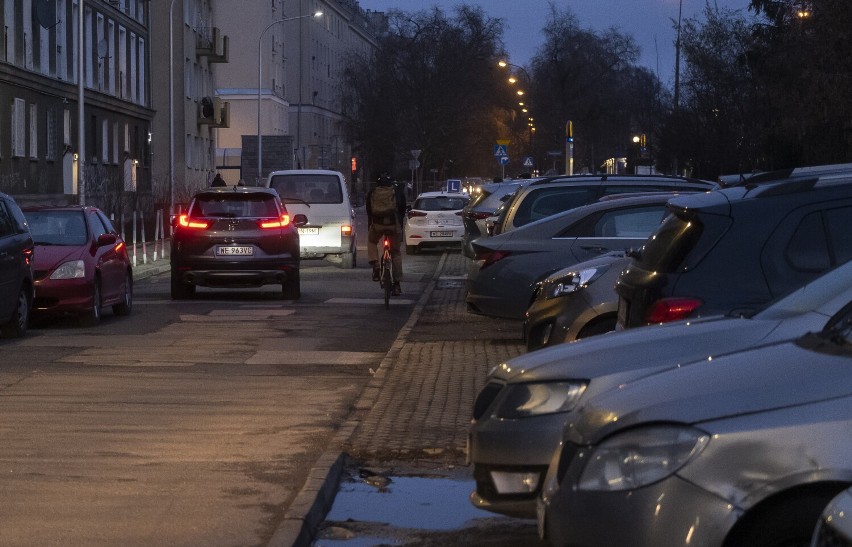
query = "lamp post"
x=171 y=112
x=259 y=73
x=81 y=128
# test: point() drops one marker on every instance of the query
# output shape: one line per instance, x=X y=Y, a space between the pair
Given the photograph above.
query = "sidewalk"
x=155 y=260
x=418 y=404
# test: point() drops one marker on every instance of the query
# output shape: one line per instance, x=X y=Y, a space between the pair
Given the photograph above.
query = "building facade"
x=284 y=78
x=189 y=49
x=42 y=154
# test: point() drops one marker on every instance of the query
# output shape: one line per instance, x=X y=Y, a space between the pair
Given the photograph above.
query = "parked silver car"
x=485 y=200
x=575 y=302
x=741 y=450
x=519 y=414
x=502 y=277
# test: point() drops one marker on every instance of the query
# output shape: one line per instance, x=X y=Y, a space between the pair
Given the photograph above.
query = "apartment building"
x=42 y=58
x=187 y=52
x=283 y=83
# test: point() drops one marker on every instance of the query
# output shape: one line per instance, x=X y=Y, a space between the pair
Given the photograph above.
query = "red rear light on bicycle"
x=194 y=224
x=346 y=231
x=666 y=310
x=413 y=214
x=386 y=243
x=281 y=222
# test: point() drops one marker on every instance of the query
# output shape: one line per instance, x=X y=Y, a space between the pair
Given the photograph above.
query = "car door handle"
x=597 y=248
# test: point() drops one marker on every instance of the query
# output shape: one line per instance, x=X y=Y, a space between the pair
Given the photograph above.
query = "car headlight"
x=535 y=399
x=572 y=281
x=74 y=269
x=641 y=456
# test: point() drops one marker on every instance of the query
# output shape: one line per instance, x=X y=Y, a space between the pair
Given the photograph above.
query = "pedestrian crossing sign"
x=500 y=150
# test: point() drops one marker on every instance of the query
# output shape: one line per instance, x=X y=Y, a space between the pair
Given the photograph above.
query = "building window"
x=33 y=131
x=142 y=68
x=51 y=134
x=115 y=142
x=19 y=143
x=105 y=141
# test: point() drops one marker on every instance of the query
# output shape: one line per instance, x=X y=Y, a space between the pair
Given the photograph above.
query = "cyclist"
x=385 y=210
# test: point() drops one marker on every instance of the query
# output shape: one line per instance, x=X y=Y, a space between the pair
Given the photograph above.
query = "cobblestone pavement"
x=423 y=393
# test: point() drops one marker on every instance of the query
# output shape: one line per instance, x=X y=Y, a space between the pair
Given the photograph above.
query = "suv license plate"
x=308 y=231
x=234 y=251
x=441 y=234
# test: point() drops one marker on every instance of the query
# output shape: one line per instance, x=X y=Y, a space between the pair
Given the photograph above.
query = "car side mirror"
x=300 y=220
x=107 y=239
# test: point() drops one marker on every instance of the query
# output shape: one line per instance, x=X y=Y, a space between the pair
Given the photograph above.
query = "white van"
x=323 y=197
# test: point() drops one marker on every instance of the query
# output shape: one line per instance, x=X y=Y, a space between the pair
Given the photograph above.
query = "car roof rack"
x=815 y=171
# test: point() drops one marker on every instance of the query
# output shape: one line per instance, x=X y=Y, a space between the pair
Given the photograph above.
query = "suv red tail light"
x=195 y=224
x=477 y=215
x=412 y=214
x=672 y=309
x=281 y=222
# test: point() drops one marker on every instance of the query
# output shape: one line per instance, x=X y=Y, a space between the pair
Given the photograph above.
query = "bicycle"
x=386 y=279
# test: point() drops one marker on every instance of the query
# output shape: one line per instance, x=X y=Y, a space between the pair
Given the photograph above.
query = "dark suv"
x=733 y=250
x=546 y=197
x=16 y=274
x=235 y=237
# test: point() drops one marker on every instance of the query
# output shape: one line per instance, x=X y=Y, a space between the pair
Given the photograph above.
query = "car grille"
x=486 y=398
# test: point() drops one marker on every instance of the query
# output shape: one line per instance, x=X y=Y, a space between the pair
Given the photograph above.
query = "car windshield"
x=308 y=188
x=439 y=203
x=57 y=227
x=234 y=206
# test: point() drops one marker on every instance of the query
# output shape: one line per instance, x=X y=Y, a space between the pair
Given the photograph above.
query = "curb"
x=313 y=502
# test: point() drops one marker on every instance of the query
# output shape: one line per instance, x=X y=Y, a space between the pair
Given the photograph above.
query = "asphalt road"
x=185 y=423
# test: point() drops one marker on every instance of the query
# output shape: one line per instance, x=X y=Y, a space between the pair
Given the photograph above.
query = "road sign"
x=415 y=154
x=501 y=150
x=454 y=185
x=413 y=164
x=528 y=161
x=504 y=160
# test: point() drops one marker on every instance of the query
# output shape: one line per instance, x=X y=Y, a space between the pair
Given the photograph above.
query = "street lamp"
x=259 y=72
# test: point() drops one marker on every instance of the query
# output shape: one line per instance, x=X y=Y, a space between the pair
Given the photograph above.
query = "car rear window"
x=234 y=206
x=439 y=203
x=308 y=188
x=670 y=244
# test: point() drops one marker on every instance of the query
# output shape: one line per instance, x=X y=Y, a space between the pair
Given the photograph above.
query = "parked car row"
x=60 y=260
x=724 y=419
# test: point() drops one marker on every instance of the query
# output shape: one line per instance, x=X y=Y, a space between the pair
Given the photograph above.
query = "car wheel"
x=348 y=260
x=598 y=326
x=93 y=316
x=180 y=290
x=126 y=305
x=291 y=289
x=17 y=325
x=784 y=522
x=411 y=249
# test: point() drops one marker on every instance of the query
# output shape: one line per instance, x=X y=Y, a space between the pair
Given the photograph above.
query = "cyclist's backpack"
x=383 y=205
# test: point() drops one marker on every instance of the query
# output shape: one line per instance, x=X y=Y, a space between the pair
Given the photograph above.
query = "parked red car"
x=81 y=263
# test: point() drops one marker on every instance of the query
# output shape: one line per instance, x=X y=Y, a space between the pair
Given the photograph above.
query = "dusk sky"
x=650 y=22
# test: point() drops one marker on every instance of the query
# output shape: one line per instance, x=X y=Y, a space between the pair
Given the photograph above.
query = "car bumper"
x=672 y=512
x=235 y=274
x=556 y=320
x=62 y=296
x=510 y=459
x=417 y=235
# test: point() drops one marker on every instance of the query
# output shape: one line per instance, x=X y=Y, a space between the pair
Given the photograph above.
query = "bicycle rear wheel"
x=387 y=285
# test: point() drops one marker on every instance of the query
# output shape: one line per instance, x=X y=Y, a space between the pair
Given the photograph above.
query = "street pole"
x=81 y=128
x=569 y=148
x=171 y=112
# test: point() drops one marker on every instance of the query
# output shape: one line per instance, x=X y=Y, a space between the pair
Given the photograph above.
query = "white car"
x=323 y=197
x=434 y=219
